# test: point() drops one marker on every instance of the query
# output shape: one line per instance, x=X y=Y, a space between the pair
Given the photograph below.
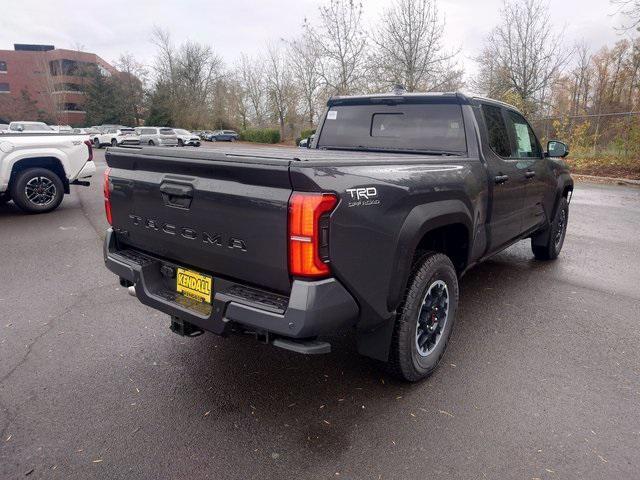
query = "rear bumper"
x=87 y=171
x=313 y=308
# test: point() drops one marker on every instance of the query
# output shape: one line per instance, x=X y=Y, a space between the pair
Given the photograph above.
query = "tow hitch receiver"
x=184 y=329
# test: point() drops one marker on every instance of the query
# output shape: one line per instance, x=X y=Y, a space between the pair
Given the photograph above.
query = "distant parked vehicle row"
x=121 y=135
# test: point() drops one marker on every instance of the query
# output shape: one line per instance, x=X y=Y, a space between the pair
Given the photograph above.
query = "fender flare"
x=421 y=220
x=564 y=181
x=7 y=169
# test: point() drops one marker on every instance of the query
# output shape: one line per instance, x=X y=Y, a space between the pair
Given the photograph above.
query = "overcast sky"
x=233 y=26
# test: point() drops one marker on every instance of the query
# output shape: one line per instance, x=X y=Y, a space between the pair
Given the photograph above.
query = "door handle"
x=530 y=174
x=177 y=190
x=176 y=195
x=501 y=179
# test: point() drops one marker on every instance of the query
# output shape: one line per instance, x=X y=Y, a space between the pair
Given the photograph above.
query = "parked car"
x=306 y=142
x=38 y=169
x=185 y=137
x=33 y=127
x=86 y=131
x=62 y=128
x=371 y=228
x=223 y=136
x=157 y=136
x=115 y=136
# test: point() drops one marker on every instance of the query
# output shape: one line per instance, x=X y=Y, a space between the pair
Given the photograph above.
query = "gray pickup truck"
x=369 y=228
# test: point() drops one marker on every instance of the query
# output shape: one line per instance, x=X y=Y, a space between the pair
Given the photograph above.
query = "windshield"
x=182 y=132
x=127 y=131
x=430 y=127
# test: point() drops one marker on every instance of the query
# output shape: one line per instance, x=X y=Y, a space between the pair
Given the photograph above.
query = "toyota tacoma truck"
x=37 y=169
x=370 y=228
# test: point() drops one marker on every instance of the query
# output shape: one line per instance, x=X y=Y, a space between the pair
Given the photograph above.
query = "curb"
x=606 y=180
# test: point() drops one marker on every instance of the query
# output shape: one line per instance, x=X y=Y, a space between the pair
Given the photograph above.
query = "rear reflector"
x=308 y=233
x=90 y=147
x=107 y=195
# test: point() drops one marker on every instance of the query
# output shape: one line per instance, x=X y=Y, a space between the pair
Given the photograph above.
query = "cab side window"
x=497 y=130
x=525 y=144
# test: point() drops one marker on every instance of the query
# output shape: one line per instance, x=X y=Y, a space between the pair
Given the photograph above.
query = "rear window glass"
x=166 y=131
x=127 y=130
x=497 y=130
x=433 y=127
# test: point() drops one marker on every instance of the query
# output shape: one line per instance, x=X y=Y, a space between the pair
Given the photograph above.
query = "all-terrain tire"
x=554 y=239
x=37 y=190
x=405 y=361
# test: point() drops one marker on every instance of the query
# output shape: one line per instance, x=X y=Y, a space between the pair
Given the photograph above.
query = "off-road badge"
x=363 y=196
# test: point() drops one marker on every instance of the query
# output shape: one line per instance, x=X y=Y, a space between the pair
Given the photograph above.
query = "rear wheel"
x=114 y=142
x=548 y=244
x=96 y=142
x=425 y=321
x=233 y=139
x=180 y=143
x=37 y=190
x=151 y=143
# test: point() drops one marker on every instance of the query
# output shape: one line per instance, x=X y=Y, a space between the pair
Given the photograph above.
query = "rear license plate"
x=194 y=285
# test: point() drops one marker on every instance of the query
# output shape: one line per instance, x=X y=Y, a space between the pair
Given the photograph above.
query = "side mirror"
x=557 y=149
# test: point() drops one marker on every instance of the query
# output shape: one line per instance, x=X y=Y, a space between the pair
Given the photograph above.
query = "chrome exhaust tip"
x=132 y=290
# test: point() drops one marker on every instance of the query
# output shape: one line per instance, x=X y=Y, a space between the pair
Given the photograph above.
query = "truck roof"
x=415 y=97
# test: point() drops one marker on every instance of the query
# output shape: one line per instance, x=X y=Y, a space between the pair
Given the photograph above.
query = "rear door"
x=506 y=179
x=226 y=218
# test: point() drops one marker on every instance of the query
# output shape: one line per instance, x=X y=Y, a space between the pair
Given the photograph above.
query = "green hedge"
x=260 y=135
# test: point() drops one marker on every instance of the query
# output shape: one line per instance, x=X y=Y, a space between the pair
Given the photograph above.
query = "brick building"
x=46 y=83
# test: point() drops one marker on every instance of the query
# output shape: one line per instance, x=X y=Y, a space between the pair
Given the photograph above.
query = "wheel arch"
x=444 y=227
x=51 y=163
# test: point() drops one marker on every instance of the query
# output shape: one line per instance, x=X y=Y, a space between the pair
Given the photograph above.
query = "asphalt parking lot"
x=541 y=378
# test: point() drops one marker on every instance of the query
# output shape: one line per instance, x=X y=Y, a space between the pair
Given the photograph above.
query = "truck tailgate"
x=217 y=215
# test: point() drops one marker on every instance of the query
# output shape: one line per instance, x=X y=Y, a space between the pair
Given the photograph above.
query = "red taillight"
x=90 y=147
x=308 y=233
x=107 y=195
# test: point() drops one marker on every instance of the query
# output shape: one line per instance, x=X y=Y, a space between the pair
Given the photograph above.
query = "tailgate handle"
x=176 y=195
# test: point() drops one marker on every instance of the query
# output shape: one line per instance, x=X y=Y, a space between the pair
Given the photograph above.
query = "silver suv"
x=157 y=136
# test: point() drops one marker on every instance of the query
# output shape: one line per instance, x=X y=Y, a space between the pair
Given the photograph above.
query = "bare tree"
x=133 y=76
x=523 y=51
x=306 y=74
x=341 y=41
x=189 y=76
x=409 y=47
x=251 y=72
x=631 y=10
x=279 y=83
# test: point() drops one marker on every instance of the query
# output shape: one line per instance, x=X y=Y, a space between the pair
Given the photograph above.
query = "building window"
x=70 y=68
x=68 y=87
x=3 y=66
x=72 y=107
x=4 y=88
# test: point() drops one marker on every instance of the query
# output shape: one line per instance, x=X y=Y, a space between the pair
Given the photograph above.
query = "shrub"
x=260 y=135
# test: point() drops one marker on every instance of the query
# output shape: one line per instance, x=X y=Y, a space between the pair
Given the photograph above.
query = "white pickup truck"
x=37 y=169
